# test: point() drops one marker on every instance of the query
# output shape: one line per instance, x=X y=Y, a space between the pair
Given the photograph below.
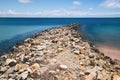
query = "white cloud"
x=24 y=1
x=62 y=12
x=58 y=13
x=14 y=13
x=111 y=4
x=77 y=3
x=1 y=13
x=105 y=14
x=11 y=12
x=90 y=8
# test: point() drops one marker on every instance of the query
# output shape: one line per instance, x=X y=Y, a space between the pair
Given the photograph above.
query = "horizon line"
x=59 y=17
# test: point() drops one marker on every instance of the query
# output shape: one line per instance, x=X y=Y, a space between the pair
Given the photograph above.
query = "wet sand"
x=110 y=51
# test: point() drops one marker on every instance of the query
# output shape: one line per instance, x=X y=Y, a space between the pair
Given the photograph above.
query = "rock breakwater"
x=57 y=54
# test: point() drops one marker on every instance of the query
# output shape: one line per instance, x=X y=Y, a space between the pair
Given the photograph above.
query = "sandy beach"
x=110 y=51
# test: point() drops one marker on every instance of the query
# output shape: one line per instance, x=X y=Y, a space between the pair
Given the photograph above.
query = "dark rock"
x=1 y=72
x=74 y=26
x=87 y=73
x=25 y=60
x=91 y=56
x=12 y=63
x=53 y=41
x=91 y=44
x=96 y=50
x=92 y=63
x=32 y=55
x=112 y=62
x=117 y=68
x=97 y=58
x=71 y=39
x=1 y=64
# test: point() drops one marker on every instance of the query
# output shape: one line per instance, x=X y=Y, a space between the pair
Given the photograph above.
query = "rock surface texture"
x=57 y=54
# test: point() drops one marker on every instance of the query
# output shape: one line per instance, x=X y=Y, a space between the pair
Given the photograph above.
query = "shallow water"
x=103 y=34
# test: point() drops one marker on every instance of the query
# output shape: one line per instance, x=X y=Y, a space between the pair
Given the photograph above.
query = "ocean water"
x=103 y=33
x=98 y=30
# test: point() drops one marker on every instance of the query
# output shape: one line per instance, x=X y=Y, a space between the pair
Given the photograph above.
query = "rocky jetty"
x=57 y=54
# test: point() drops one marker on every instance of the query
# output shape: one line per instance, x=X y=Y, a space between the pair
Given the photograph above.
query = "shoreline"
x=110 y=51
x=58 y=53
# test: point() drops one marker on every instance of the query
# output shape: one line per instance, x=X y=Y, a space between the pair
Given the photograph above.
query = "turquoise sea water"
x=104 y=34
x=98 y=30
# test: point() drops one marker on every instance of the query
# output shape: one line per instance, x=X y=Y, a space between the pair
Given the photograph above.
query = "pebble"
x=33 y=67
x=33 y=49
x=76 y=52
x=10 y=79
x=25 y=59
x=39 y=53
x=10 y=70
x=91 y=76
x=82 y=51
x=39 y=48
x=52 y=72
x=87 y=73
x=60 y=49
x=27 y=40
x=11 y=62
x=63 y=67
x=36 y=42
x=24 y=75
x=43 y=69
x=17 y=67
x=2 y=70
x=116 y=77
x=78 y=57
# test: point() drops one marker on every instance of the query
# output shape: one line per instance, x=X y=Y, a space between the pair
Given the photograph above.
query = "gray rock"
x=76 y=52
x=39 y=53
x=28 y=40
x=39 y=48
x=24 y=75
x=33 y=49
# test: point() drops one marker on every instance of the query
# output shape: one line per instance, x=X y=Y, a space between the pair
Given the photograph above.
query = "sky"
x=59 y=8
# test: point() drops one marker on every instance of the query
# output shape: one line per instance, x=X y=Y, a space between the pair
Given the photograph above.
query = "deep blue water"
x=98 y=30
